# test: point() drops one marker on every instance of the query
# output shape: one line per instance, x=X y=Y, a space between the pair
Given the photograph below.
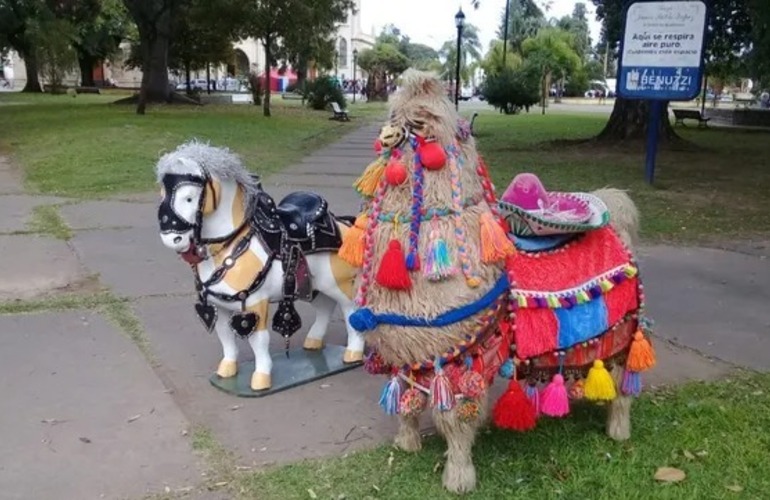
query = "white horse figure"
x=242 y=247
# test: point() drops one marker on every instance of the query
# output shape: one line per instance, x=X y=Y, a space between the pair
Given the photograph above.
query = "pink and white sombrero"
x=533 y=211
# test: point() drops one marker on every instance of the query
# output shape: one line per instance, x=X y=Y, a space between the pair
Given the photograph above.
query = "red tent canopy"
x=276 y=79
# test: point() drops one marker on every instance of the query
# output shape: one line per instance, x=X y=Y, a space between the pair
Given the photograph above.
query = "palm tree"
x=470 y=48
x=552 y=54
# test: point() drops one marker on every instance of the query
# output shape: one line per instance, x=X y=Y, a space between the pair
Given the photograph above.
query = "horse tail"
x=624 y=215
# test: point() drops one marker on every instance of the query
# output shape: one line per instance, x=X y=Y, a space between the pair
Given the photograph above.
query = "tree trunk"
x=628 y=122
x=33 y=81
x=86 y=63
x=156 y=86
x=187 y=71
x=268 y=67
x=543 y=91
x=301 y=71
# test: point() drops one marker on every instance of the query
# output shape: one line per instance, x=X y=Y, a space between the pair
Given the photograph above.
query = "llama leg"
x=619 y=411
x=228 y=367
x=459 y=473
x=324 y=308
x=408 y=437
x=260 y=344
x=355 y=348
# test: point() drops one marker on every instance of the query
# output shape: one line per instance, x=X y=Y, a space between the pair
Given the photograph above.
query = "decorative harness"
x=264 y=222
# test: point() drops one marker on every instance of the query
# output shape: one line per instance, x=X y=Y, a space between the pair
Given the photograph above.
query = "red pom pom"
x=514 y=410
x=432 y=155
x=378 y=146
x=392 y=272
x=395 y=173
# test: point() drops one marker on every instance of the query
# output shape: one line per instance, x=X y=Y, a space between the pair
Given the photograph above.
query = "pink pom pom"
x=554 y=401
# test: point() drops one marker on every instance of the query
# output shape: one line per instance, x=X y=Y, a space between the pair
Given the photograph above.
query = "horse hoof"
x=260 y=381
x=227 y=368
x=352 y=356
x=312 y=344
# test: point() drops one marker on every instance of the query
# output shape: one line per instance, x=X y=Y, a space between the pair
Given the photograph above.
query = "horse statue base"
x=300 y=367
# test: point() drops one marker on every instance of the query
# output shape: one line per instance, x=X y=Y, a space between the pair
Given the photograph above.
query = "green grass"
x=719 y=189
x=47 y=220
x=88 y=147
x=716 y=433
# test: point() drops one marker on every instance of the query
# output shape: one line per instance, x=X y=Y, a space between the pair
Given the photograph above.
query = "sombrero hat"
x=532 y=211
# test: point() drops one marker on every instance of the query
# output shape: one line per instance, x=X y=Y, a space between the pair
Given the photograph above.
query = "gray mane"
x=220 y=163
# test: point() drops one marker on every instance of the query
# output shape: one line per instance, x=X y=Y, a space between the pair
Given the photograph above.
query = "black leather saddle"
x=307 y=220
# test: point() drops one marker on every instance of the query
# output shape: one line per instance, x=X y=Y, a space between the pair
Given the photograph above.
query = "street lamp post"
x=459 y=21
x=355 y=82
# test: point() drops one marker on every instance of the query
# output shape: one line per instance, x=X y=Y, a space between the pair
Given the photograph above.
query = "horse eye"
x=189 y=200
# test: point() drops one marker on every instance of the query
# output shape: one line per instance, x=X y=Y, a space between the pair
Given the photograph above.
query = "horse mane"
x=220 y=163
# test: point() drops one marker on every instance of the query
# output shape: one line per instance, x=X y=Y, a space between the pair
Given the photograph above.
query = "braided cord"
x=457 y=202
x=489 y=188
x=413 y=259
x=366 y=272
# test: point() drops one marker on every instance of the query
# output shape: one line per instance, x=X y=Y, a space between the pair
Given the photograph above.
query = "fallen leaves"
x=669 y=475
x=735 y=488
x=311 y=493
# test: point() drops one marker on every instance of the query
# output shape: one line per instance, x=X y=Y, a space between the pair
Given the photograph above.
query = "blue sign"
x=661 y=51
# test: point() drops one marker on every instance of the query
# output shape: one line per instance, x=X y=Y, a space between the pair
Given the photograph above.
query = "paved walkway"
x=87 y=415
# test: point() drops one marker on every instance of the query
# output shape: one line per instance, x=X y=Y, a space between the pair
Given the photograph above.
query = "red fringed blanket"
x=572 y=294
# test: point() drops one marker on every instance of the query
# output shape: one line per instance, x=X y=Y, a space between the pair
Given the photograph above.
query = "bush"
x=323 y=91
x=511 y=90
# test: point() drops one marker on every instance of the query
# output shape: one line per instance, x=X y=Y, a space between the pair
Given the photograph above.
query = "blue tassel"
x=534 y=395
x=632 y=383
x=438 y=264
x=391 y=396
x=506 y=369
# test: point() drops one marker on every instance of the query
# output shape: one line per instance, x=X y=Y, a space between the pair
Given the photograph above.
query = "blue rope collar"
x=364 y=319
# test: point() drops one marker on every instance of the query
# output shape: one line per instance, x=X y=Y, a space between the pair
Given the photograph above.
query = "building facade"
x=249 y=56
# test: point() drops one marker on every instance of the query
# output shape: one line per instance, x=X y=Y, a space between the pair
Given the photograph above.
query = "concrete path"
x=90 y=415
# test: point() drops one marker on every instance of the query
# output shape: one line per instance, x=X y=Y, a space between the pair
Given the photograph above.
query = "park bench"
x=88 y=90
x=339 y=113
x=693 y=114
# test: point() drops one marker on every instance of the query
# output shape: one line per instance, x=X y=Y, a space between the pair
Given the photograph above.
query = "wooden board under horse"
x=247 y=252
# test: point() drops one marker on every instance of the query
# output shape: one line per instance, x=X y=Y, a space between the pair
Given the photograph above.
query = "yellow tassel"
x=495 y=245
x=366 y=185
x=352 y=249
x=641 y=355
x=599 y=385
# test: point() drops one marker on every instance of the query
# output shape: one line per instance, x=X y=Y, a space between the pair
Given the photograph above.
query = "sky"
x=432 y=21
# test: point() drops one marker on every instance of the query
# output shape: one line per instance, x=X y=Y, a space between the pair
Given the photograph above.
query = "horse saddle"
x=307 y=221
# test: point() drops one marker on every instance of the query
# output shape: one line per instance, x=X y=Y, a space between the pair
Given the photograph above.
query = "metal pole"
x=703 y=94
x=505 y=29
x=355 y=83
x=653 y=126
x=457 y=70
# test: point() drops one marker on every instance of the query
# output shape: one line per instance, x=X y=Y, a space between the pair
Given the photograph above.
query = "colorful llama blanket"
x=568 y=296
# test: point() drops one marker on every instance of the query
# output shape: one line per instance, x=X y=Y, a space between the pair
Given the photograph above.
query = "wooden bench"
x=339 y=113
x=692 y=114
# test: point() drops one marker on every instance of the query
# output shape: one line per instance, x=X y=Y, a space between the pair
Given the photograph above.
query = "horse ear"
x=212 y=193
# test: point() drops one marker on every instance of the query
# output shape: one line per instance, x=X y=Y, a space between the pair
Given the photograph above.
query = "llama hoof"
x=353 y=356
x=227 y=368
x=260 y=381
x=312 y=344
x=408 y=441
x=619 y=432
x=459 y=478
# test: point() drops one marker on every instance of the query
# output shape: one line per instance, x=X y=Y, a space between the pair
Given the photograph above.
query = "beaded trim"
x=487 y=320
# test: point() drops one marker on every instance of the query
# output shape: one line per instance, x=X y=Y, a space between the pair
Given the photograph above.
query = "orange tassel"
x=352 y=249
x=641 y=355
x=392 y=272
x=366 y=185
x=495 y=245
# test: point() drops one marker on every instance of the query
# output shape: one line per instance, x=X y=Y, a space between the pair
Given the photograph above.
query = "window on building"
x=342 y=53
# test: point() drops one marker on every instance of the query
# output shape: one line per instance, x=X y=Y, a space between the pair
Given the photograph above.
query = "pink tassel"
x=554 y=401
x=441 y=395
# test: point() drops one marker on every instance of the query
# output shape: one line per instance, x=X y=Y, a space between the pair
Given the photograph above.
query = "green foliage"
x=580 y=80
x=525 y=19
x=322 y=91
x=759 y=57
x=384 y=62
x=511 y=90
x=492 y=63
x=52 y=42
x=552 y=55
